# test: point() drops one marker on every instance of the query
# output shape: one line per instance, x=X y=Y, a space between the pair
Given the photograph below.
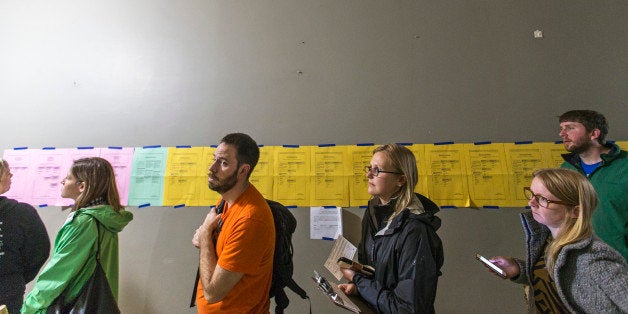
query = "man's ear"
x=245 y=169
x=595 y=134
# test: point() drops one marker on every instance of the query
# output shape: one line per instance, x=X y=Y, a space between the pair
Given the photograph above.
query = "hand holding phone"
x=344 y=262
x=490 y=265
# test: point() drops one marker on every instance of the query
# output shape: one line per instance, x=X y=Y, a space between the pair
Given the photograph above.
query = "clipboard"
x=334 y=294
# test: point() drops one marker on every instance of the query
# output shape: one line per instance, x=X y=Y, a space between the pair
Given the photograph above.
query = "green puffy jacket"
x=73 y=258
x=610 y=180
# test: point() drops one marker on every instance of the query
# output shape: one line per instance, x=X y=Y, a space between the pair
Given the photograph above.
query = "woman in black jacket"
x=398 y=238
x=24 y=244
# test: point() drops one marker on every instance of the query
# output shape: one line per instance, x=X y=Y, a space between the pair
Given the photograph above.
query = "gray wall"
x=123 y=73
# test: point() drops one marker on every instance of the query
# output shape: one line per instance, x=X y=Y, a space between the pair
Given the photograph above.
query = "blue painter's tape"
x=326 y=145
x=143 y=205
x=49 y=148
x=558 y=142
x=179 y=206
x=43 y=205
x=20 y=148
x=490 y=207
x=260 y=145
x=184 y=146
x=482 y=143
x=363 y=206
x=610 y=141
x=328 y=239
x=365 y=144
x=290 y=146
x=85 y=147
x=523 y=142
x=151 y=146
x=448 y=207
x=115 y=147
x=443 y=143
x=330 y=206
x=291 y=206
x=404 y=144
x=213 y=146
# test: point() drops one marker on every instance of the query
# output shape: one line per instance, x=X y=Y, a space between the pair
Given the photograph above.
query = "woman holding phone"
x=398 y=238
x=568 y=268
x=96 y=210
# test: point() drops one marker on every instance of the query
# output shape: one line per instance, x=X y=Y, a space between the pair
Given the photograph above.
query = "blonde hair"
x=4 y=166
x=100 y=182
x=402 y=160
x=577 y=192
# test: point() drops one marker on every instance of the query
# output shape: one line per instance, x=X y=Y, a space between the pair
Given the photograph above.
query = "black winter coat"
x=24 y=247
x=407 y=258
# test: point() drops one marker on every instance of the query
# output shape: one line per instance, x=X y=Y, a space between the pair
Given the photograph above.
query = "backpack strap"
x=298 y=290
x=281 y=301
x=198 y=270
x=198 y=277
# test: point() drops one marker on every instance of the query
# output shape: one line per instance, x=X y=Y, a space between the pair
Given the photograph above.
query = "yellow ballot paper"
x=359 y=157
x=207 y=196
x=262 y=176
x=329 y=176
x=523 y=160
x=487 y=174
x=291 y=169
x=421 y=163
x=183 y=176
x=622 y=144
x=447 y=174
x=552 y=154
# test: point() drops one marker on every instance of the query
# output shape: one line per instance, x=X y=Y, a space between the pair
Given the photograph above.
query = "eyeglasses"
x=377 y=171
x=543 y=202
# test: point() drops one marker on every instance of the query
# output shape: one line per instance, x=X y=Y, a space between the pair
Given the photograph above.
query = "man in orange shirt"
x=236 y=243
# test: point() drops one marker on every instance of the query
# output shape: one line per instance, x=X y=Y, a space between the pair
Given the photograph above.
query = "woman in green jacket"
x=91 y=184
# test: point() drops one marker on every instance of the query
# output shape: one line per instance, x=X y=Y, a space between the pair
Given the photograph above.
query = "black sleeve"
x=36 y=244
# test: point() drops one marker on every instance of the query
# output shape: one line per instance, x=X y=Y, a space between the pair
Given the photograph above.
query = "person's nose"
x=212 y=167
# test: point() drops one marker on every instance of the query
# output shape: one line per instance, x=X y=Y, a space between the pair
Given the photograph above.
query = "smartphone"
x=344 y=262
x=493 y=267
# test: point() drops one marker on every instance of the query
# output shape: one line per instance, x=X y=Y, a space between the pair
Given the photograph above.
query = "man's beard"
x=224 y=185
x=580 y=147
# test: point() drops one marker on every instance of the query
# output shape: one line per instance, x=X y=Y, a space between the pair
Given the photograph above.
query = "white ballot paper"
x=342 y=248
x=325 y=222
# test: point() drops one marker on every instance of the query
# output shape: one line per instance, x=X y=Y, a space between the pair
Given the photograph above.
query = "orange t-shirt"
x=246 y=245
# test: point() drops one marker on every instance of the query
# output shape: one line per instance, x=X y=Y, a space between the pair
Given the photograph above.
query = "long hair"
x=402 y=160
x=100 y=182
x=577 y=192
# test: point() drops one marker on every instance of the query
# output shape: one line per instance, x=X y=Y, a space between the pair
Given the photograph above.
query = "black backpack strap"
x=281 y=301
x=298 y=290
x=198 y=270
x=198 y=277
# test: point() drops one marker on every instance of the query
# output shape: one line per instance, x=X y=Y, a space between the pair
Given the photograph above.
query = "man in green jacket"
x=606 y=166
